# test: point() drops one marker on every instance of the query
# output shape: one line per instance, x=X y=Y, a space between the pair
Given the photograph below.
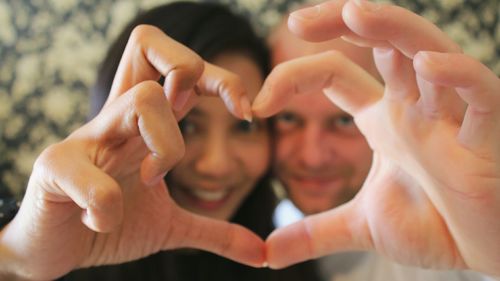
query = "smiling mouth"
x=208 y=200
x=209 y=196
x=316 y=185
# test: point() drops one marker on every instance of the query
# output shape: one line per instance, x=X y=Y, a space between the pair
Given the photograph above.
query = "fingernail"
x=265 y=264
x=181 y=99
x=307 y=13
x=367 y=5
x=431 y=58
x=246 y=108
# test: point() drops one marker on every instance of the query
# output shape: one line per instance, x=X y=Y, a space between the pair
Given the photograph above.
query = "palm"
x=148 y=213
x=401 y=214
x=432 y=196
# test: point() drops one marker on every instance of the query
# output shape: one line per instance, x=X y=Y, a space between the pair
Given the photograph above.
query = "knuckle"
x=141 y=32
x=147 y=93
x=334 y=56
x=103 y=197
x=48 y=156
x=195 y=65
x=232 y=83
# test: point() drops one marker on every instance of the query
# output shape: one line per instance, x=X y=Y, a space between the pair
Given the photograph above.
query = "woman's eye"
x=187 y=127
x=247 y=127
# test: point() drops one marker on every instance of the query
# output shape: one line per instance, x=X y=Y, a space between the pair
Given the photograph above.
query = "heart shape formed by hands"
x=414 y=207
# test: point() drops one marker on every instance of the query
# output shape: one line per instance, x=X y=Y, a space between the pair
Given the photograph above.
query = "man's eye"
x=286 y=122
x=344 y=121
x=286 y=117
x=344 y=125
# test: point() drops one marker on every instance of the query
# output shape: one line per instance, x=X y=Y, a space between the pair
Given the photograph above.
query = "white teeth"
x=209 y=195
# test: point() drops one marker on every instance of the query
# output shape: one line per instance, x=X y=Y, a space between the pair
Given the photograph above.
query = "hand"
x=432 y=197
x=98 y=197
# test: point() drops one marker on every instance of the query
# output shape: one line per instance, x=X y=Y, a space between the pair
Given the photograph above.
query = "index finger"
x=218 y=82
x=400 y=28
x=345 y=83
x=149 y=54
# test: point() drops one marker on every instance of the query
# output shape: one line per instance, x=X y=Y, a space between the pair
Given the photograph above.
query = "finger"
x=370 y=24
x=218 y=82
x=319 y=23
x=220 y=237
x=74 y=176
x=363 y=42
x=337 y=230
x=439 y=102
x=344 y=82
x=398 y=74
x=404 y=30
x=144 y=112
x=150 y=53
x=475 y=83
x=477 y=86
x=324 y=21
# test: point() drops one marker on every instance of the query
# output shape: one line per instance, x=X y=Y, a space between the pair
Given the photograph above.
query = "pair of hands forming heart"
x=432 y=197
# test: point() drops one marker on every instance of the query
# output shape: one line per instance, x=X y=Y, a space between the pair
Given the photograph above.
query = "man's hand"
x=432 y=197
x=98 y=197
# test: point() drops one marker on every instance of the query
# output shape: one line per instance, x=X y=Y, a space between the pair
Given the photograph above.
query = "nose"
x=216 y=159
x=314 y=152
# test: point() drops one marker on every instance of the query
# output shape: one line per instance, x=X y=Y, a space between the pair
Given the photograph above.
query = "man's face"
x=321 y=157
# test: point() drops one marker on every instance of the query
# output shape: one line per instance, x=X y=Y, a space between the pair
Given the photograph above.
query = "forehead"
x=210 y=109
x=244 y=67
x=313 y=106
x=286 y=46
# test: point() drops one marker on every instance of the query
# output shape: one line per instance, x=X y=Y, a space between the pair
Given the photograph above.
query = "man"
x=322 y=159
x=321 y=156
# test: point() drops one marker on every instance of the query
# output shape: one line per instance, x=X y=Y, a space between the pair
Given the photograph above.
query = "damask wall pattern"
x=50 y=50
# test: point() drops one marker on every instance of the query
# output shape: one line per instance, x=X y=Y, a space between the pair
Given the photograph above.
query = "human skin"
x=433 y=189
x=225 y=156
x=98 y=197
x=321 y=157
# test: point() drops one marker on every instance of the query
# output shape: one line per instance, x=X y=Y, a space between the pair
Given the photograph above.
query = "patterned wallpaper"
x=50 y=50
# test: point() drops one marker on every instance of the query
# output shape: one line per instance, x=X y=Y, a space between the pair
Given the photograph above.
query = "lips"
x=208 y=200
x=316 y=185
x=209 y=196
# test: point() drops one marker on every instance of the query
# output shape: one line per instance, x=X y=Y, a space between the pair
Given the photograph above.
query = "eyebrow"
x=196 y=113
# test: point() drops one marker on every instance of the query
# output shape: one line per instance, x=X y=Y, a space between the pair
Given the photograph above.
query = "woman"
x=223 y=174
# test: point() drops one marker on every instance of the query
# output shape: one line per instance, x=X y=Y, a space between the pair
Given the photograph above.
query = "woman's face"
x=224 y=156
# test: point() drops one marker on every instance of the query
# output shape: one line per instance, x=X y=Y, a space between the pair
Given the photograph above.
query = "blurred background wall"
x=50 y=50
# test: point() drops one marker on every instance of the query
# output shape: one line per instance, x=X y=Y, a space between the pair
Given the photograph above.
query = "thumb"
x=219 y=237
x=340 y=229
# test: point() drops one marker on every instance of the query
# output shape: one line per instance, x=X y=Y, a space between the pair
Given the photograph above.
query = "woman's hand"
x=98 y=197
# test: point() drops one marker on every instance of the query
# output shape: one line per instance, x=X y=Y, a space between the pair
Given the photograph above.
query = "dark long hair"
x=206 y=28
x=209 y=30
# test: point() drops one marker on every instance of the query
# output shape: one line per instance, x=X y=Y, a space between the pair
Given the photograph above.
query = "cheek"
x=360 y=156
x=256 y=159
x=183 y=170
x=284 y=148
